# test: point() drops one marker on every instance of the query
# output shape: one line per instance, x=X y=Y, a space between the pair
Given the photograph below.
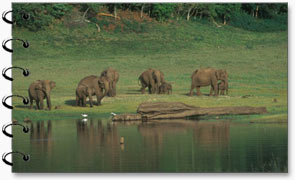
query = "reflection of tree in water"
x=41 y=137
x=98 y=144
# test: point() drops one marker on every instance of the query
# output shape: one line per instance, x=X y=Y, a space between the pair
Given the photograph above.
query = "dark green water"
x=157 y=146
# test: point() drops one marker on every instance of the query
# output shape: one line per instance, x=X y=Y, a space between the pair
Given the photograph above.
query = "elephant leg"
x=99 y=98
x=215 y=88
x=211 y=90
x=222 y=92
x=226 y=91
x=150 y=89
x=31 y=102
x=143 y=88
x=114 y=89
x=77 y=101
x=41 y=104
x=90 y=101
x=83 y=101
x=48 y=103
x=199 y=91
x=37 y=104
x=192 y=90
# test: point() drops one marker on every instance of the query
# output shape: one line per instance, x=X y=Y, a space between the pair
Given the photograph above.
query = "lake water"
x=155 y=146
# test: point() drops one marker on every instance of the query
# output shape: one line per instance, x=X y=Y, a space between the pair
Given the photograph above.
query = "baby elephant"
x=165 y=88
x=82 y=92
x=40 y=90
x=223 y=86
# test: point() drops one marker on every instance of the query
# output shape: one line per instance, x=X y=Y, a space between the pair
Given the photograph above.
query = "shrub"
x=248 y=22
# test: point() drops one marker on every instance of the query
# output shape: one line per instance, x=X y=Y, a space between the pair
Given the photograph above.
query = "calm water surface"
x=156 y=146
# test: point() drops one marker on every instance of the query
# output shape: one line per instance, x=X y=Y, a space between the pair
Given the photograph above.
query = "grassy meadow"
x=256 y=63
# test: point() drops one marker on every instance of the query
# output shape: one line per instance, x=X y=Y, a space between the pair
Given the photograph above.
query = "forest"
x=250 y=16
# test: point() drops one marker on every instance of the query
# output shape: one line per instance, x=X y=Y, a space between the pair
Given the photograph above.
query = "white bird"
x=113 y=114
x=84 y=115
x=84 y=120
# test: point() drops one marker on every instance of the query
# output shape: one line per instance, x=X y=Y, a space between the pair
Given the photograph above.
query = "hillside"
x=256 y=63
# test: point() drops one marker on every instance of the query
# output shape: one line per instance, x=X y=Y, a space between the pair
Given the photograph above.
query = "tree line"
x=238 y=14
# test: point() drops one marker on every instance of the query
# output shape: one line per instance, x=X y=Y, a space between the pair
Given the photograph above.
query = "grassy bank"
x=256 y=63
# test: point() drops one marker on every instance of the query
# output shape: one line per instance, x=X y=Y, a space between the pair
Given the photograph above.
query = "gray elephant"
x=165 y=88
x=207 y=77
x=158 y=77
x=152 y=79
x=82 y=92
x=222 y=86
x=113 y=77
x=98 y=86
x=40 y=90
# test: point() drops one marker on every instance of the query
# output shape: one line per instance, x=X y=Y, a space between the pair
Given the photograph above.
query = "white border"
x=5 y=143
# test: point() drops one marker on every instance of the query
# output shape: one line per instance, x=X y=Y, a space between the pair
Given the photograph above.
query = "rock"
x=177 y=110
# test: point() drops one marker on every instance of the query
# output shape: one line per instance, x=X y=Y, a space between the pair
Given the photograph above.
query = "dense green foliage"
x=250 y=16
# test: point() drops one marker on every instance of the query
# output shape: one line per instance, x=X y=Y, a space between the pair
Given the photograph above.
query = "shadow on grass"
x=138 y=91
x=71 y=102
x=24 y=107
x=194 y=95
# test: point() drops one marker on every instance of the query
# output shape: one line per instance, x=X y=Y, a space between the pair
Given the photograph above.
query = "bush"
x=41 y=15
x=248 y=22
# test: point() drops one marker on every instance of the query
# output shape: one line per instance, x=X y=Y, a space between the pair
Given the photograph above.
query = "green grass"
x=256 y=63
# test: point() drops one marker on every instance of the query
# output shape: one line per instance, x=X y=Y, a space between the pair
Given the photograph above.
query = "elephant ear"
x=217 y=74
x=101 y=83
x=52 y=84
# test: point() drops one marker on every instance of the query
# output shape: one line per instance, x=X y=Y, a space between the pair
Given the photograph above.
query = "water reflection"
x=41 y=136
x=165 y=146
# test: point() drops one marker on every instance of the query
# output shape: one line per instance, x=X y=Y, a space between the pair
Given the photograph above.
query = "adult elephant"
x=40 y=90
x=146 y=79
x=207 y=77
x=113 y=77
x=158 y=77
x=98 y=86
x=151 y=78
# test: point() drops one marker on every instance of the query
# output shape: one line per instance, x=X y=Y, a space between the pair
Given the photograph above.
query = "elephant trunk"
x=48 y=100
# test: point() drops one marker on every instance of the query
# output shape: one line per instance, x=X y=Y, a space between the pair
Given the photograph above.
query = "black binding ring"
x=25 y=101
x=25 y=157
x=25 y=16
x=25 y=129
x=25 y=72
x=25 y=44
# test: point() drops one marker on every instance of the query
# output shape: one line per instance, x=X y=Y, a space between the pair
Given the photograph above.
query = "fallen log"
x=176 y=110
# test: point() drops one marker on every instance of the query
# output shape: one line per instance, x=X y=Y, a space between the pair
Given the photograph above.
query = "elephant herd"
x=105 y=85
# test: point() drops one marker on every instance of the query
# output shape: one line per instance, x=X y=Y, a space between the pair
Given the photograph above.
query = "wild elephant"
x=113 y=77
x=82 y=92
x=222 y=86
x=207 y=77
x=40 y=90
x=165 y=88
x=152 y=79
x=98 y=86
x=158 y=77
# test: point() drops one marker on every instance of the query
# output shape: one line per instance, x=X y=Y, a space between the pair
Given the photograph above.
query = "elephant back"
x=88 y=80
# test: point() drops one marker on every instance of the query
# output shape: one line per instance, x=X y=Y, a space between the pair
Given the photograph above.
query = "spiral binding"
x=26 y=73
x=25 y=157
x=25 y=129
x=25 y=44
x=25 y=16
